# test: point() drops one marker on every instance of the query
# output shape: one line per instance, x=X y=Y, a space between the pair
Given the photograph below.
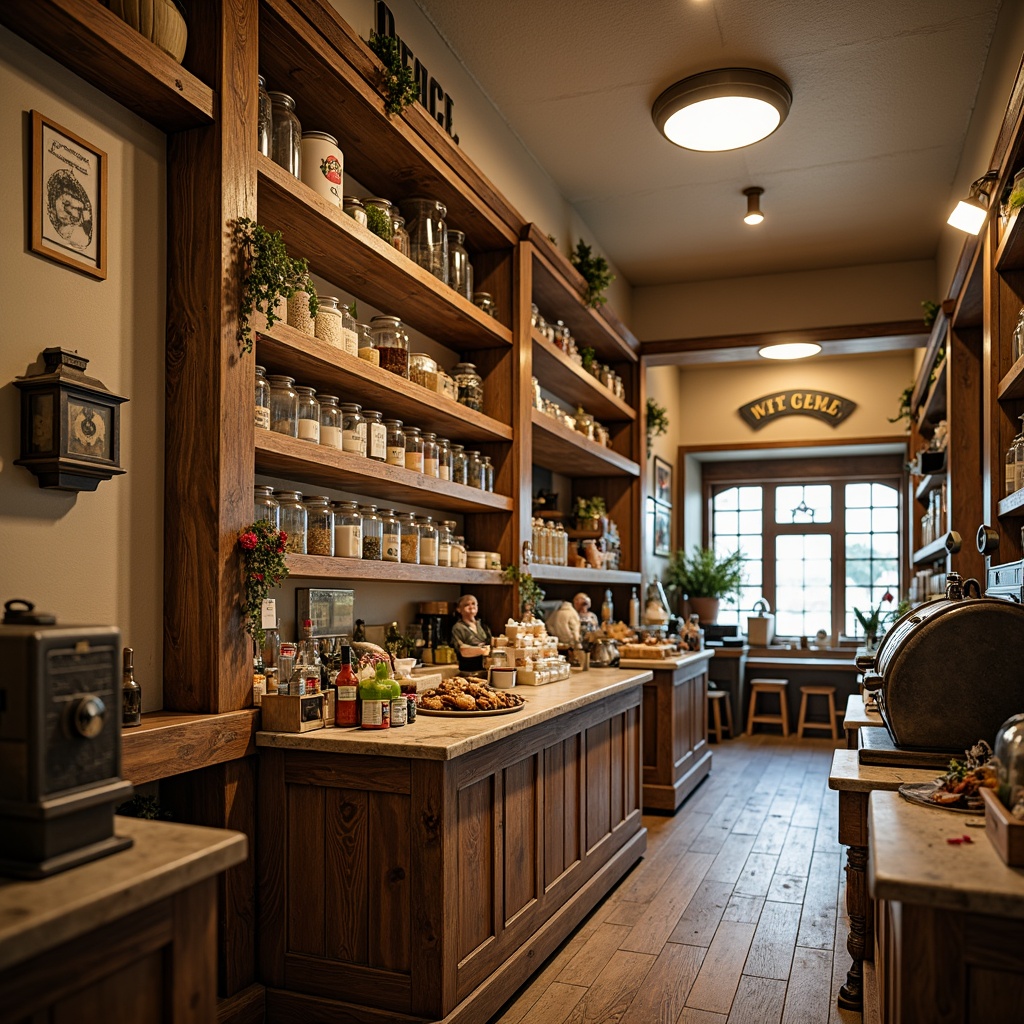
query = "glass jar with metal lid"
x=293 y=520
x=298 y=314
x=470 y=385
x=262 y=394
x=353 y=206
x=413 y=449
x=284 y=406
x=460 y=273
x=376 y=436
x=392 y=536
x=378 y=217
x=353 y=429
x=330 y=422
x=399 y=236
x=420 y=364
x=327 y=325
x=458 y=464
x=319 y=525
x=444 y=544
x=428 y=235
x=486 y=474
x=430 y=467
x=264 y=118
x=474 y=469
x=428 y=541
x=265 y=507
x=348 y=530
x=349 y=330
x=364 y=341
x=373 y=532
x=286 y=142
x=308 y=413
x=395 y=443
x=391 y=344
x=485 y=301
x=444 y=458
x=410 y=539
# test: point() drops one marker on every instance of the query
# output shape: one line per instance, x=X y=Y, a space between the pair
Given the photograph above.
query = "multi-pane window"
x=872 y=549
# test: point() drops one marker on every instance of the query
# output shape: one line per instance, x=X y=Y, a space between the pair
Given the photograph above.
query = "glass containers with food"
x=410 y=538
x=484 y=301
x=373 y=532
x=354 y=208
x=391 y=344
x=430 y=467
x=328 y=324
x=364 y=342
x=444 y=543
x=474 y=469
x=376 y=435
x=460 y=273
x=330 y=422
x=458 y=464
x=262 y=394
x=265 y=506
x=264 y=119
x=428 y=541
x=319 y=525
x=353 y=429
x=428 y=235
x=486 y=474
x=413 y=449
x=378 y=217
x=299 y=316
x=308 y=414
x=470 y=386
x=420 y=367
x=444 y=458
x=396 y=443
x=284 y=405
x=399 y=236
x=348 y=530
x=286 y=143
x=392 y=536
x=293 y=520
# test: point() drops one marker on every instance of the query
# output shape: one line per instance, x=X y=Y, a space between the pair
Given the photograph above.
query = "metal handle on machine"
x=972 y=584
x=872 y=681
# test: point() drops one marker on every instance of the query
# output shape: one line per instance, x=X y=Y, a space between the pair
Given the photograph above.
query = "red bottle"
x=346 y=705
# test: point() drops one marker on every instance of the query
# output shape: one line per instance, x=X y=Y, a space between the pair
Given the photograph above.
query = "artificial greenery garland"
x=594 y=270
x=262 y=547
x=657 y=422
x=398 y=84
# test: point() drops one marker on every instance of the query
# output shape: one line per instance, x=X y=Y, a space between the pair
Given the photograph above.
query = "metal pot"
x=604 y=653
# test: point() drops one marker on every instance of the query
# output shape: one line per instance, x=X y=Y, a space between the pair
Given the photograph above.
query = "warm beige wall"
x=663 y=387
x=90 y=557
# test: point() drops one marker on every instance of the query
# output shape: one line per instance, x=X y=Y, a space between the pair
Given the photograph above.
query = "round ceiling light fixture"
x=791 y=350
x=720 y=110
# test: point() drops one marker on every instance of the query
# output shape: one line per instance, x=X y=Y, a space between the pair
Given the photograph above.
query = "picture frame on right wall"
x=662 y=486
x=662 y=530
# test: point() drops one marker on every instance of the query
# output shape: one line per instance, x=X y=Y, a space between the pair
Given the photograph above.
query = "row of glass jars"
x=550 y=543
x=560 y=336
x=582 y=422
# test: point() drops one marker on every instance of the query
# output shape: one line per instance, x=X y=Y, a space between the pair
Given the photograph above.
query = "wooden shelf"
x=565 y=451
x=969 y=306
x=929 y=483
x=1012 y=506
x=302 y=461
x=933 y=408
x=171 y=742
x=323 y=567
x=1010 y=254
x=354 y=258
x=1012 y=384
x=110 y=55
x=572 y=574
x=569 y=381
x=932 y=552
x=314 y=363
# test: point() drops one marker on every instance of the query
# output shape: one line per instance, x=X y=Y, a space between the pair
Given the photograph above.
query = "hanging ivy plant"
x=657 y=422
x=594 y=270
x=398 y=83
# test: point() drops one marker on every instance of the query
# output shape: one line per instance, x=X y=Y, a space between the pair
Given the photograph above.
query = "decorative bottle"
x=131 y=693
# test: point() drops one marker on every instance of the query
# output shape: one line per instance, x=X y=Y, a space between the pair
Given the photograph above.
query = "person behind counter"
x=470 y=638
x=588 y=620
x=564 y=623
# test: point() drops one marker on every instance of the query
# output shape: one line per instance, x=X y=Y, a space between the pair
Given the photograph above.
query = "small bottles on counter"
x=347 y=687
x=375 y=699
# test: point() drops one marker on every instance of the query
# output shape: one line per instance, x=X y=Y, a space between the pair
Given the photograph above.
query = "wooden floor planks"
x=736 y=914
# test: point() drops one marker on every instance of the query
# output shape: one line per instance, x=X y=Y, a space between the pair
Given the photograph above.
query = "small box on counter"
x=1004 y=831
x=285 y=713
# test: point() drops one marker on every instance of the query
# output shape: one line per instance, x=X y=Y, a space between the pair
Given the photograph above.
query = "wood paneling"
x=599 y=781
x=346 y=877
x=389 y=864
x=305 y=871
x=476 y=866
x=520 y=869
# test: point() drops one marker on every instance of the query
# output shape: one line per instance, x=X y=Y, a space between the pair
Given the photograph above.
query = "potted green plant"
x=874 y=621
x=594 y=271
x=397 y=81
x=589 y=512
x=705 y=578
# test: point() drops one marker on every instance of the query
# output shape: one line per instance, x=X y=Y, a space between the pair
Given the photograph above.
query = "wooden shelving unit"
x=566 y=451
x=932 y=552
x=1011 y=385
x=323 y=567
x=933 y=408
x=1012 y=506
x=557 y=372
x=927 y=484
x=582 y=576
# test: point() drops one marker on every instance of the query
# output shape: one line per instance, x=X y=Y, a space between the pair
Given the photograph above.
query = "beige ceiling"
x=860 y=172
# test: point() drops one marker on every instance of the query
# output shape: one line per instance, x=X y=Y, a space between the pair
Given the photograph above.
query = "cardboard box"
x=285 y=713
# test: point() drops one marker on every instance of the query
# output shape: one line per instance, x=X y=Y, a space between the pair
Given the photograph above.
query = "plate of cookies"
x=467 y=698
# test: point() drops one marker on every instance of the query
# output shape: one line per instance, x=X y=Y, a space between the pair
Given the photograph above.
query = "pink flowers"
x=248 y=540
x=263 y=552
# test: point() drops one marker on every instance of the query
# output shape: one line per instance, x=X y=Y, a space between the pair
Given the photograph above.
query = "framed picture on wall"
x=662 y=482
x=69 y=198
x=662 y=530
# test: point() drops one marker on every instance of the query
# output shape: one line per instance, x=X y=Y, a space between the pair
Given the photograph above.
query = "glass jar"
x=348 y=530
x=264 y=118
x=330 y=422
x=428 y=235
x=459 y=557
x=444 y=459
x=392 y=546
x=265 y=507
x=328 y=325
x=373 y=532
x=413 y=449
x=428 y=541
x=380 y=222
x=1018 y=449
x=308 y=412
x=286 y=142
x=353 y=206
x=430 y=467
x=484 y=301
x=262 y=399
x=284 y=406
x=458 y=464
x=364 y=340
x=391 y=344
x=353 y=429
x=410 y=539
x=376 y=436
x=470 y=386
x=349 y=330
x=474 y=469
x=460 y=273
x=585 y=424
x=486 y=474
x=444 y=544
x=319 y=525
x=420 y=365
x=299 y=316
x=1010 y=479
x=395 y=443
x=293 y=520
x=1018 y=336
x=399 y=236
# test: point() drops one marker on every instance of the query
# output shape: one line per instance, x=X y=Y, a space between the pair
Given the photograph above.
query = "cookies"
x=459 y=694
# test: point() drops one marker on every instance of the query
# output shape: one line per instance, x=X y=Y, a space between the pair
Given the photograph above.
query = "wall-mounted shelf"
x=324 y=567
x=569 y=381
x=565 y=451
x=932 y=552
x=933 y=408
x=1012 y=506
x=1010 y=254
x=929 y=483
x=1012 y=384
x=572 y=574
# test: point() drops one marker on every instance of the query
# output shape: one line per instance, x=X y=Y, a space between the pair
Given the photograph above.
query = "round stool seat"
x=828 y=692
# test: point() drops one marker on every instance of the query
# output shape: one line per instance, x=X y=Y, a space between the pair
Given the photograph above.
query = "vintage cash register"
x=60 y=743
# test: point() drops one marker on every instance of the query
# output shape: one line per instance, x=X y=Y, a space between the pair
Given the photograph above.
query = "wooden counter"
x=424 y=873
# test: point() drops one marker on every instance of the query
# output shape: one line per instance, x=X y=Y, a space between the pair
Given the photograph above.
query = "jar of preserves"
x=399 y=236
x=330 y=422
x=474 y=469
x=459 y=557
x=444 y=459
x=460 y=273
x=376 y=436
x=428 y=235
x=299 y=316
x=413 y=449
x=308 y=411
x=353 y=206
x=319 y=525
x=470 y=386
x=410 y=539
x=262 y=399
x=364 y=341
x=353 y=429
x=327 y=326
x=444 y=543
x=485 y=301
x=420 y=365
x=395 y=443
x=284 y=406
x=323 y=166
x=392 y=536
x=430 y=467
x=265 y=507
x=378 y=217
x=264 y=118
x=348 y=530
x=293 y=520
x=373 y=532
x=486 y=474
x=458 y=464
x=391 y=344
x=429 y=554
x=286 y=142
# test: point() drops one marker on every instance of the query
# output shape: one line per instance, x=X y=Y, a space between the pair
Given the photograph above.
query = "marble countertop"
x=856 y=714
x=673 y=663
x=36 y=916
x=849 y=775
x=911 y=862
x=439 y=738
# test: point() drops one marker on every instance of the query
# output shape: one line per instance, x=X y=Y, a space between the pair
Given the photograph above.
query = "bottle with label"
x=346 y=704
x=307 y=666
x=131 y=692
x=375 y=699
x=399 y=706
x=634 y=610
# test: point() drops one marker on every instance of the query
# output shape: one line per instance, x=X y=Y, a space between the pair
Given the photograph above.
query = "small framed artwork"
x=662 y=482
x=69 y=198
x=662 y=530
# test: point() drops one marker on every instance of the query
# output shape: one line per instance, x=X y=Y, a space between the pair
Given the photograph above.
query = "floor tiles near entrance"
x=736 y=915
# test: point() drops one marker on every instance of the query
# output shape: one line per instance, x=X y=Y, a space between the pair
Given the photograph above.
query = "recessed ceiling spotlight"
x=725 y=109
x=791 y=350
x=754 y=214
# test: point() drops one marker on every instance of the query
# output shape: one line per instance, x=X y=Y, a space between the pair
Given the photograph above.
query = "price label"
x=269 y=613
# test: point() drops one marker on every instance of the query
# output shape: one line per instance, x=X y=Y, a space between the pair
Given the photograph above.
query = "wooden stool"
x=817 y=691
x=715 y=701
x=779 y=687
